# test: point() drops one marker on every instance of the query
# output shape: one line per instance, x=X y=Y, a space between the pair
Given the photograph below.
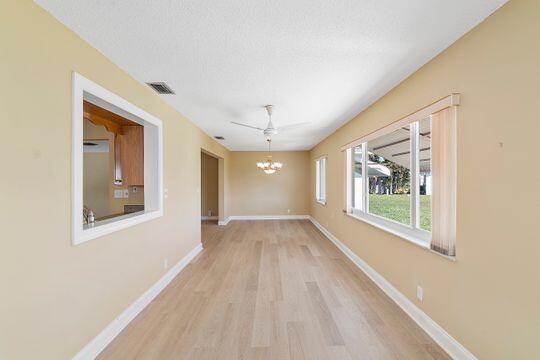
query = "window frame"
x=84 y=89
x=320 y=180
x=412 y=233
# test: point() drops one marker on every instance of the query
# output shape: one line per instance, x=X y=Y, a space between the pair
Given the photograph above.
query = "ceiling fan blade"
x=249 y=126
x=292 y=126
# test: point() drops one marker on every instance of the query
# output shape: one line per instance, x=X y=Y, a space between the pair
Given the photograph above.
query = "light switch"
x=118 y=193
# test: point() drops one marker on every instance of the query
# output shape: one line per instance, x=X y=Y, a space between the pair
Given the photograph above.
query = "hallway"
x=271 y=290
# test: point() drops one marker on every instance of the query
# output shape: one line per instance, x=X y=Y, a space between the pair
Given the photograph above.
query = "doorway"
x=209 y=187
x=210 y=195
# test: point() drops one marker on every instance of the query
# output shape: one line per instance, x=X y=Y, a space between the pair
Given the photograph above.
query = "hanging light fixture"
x=269 y=166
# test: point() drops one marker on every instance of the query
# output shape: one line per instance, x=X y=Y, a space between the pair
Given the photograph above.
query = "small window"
x=320 y=186
x=117 y=163
x=390 y=180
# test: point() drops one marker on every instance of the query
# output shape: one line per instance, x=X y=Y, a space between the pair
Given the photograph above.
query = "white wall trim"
x=209 y=217
x=224 y=221
x=437 y=333
x=263 y=217
x=96 y=345
x=85 y=89
x=269 y=217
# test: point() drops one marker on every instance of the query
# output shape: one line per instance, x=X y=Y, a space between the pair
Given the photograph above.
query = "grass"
x=397 y=208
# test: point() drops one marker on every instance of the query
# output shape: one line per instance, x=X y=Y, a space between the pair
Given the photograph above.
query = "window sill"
x=322 y=202
x=379 y=224
x=108 y=226
x=422 y=243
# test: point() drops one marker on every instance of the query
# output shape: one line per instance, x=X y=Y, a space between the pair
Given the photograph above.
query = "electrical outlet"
x=165 y=263
x=134 y=189
x=420 y=293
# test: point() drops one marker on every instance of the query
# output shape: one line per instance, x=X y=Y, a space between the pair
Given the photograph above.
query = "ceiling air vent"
x=160 y=87
x=219 y=138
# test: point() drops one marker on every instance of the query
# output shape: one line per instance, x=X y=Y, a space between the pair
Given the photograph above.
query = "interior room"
x=209 y=187
x=113 y=165
x=269 y=180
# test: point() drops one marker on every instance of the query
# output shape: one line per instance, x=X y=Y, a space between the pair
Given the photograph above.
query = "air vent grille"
x=160 y=87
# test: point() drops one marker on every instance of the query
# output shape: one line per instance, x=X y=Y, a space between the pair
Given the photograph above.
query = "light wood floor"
x=271 y=290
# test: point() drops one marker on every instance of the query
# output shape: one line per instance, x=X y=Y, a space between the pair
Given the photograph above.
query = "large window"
x=320 y=176
x=390 y=181
x=117 y=163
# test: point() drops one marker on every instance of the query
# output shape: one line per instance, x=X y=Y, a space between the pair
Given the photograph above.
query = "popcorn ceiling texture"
x=318 y=60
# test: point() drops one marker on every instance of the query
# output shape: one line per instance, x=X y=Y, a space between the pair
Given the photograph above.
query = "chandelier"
x=269 y=166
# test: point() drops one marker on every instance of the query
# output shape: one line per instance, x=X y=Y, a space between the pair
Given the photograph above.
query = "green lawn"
x=397 y=208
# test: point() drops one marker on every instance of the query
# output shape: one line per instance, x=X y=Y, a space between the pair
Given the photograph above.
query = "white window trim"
x=153 y=176
x=412 y=234
x=318 y=199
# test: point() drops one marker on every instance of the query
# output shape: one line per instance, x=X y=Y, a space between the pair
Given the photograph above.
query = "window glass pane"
x=357 y=182
x=318 y=179
x=323 y=179
x=424 y=173
x=389 y=171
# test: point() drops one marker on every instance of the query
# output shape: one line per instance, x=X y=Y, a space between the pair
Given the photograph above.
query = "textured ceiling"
x=321 y=61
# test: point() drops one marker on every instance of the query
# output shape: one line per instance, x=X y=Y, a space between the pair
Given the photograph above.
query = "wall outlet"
x=420 y=293
x=126 y=193
x=165 y=263
x=118 y=193
x=134 y=189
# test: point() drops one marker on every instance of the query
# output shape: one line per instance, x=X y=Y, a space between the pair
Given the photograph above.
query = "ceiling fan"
x=270 y=129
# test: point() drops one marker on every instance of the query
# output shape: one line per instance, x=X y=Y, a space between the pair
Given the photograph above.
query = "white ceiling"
x=322 y=61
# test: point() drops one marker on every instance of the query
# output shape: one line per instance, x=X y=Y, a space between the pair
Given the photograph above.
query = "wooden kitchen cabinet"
x=131 y=148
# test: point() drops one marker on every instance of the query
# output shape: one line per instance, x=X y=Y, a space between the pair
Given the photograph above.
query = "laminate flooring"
x=271 y=290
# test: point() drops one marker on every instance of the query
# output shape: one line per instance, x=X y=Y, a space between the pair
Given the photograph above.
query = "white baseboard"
x=437 y=333
x=209 y=217
x=224 y=222
x=263 y=217
x=269 y=217
x=94 y=347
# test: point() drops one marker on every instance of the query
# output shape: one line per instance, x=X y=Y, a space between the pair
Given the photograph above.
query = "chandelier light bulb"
x=269 y=166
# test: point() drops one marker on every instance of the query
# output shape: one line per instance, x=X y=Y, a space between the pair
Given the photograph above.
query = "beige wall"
x=488 y=299
x=96 y=183
x=209 y=185
x=56 y=297
x=256 y=193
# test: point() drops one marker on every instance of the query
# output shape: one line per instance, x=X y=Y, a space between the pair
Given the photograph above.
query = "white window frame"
x=412 y=233
x=85 y=89
x=320 y=180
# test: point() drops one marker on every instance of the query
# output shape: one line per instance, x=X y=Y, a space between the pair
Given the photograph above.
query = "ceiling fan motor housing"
x=269 y=131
